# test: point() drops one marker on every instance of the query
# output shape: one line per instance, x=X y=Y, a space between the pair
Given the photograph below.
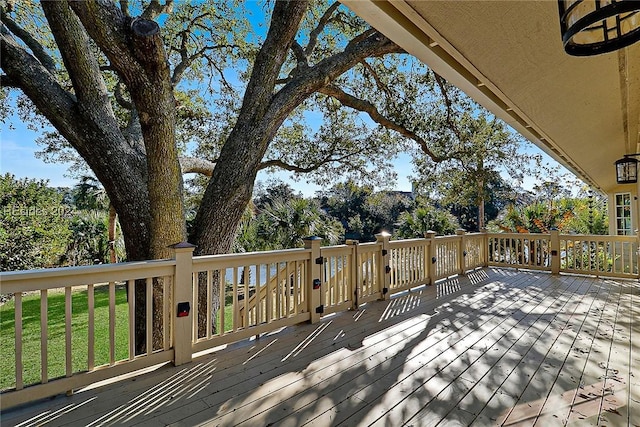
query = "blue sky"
x=17 y=156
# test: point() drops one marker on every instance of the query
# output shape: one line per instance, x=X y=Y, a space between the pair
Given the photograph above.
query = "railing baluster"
x=346 y=274
x=296 y=287
x=258 y=295
x=287 y=290
x=44 y=339
x=131 y=295
x=149 y=315
x=236 y=302
x=17 y=298
x=90 y=327
x=278 y=291
x=166 y=316
x=209 y=304
x=112 y=323
x=67 y=331
x=222 y=301
x=195 y=297
x=270 y=295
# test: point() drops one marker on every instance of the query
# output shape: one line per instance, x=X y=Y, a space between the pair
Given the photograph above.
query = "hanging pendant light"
x=627 y=169
x=591 y=27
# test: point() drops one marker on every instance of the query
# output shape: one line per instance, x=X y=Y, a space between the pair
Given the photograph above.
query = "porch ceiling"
x=508 y=56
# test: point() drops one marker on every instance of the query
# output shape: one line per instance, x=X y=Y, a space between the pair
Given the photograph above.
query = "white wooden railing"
x=80 y=365
x=612 y=256
x=232 y=297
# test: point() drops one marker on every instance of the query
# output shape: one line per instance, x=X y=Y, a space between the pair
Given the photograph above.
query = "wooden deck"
x=497 y=347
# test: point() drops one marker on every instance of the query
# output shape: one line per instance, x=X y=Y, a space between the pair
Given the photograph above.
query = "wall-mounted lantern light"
x=591 y=27
x=627 y=169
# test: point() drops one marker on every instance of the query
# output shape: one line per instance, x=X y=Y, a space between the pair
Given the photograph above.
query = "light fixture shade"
x=591 y=27
x=627 y=170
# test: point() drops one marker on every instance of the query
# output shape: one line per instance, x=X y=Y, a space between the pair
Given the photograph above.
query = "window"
x=623 y=214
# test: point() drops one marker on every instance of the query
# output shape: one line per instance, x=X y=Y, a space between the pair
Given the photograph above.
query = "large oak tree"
x=117 y=83
x=114 y=98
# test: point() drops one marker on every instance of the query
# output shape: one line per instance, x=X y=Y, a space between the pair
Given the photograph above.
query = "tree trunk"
x=112 y=234
x=155 y=104
x=231 y=185
x=480 y=201
x=481 y=214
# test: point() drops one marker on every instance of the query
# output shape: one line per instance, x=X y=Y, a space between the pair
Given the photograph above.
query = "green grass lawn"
x=56 y=334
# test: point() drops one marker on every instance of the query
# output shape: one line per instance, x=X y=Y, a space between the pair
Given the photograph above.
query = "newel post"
x=555 y=252
x=431 y=256
x=314 y=278
x=182 y=300
x=384 y=268
x=462 y=250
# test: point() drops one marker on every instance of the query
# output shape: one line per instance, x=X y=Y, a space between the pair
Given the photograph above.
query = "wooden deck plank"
x=615 y=408
x=634 y=359
x=440 y=404
x=324 y=382
x=228 y=366
x=487 y=382
x=394 y=387
x=544 y=335
x=473 y=374
x=536 y=393
x=575 y=381
x=456 y=354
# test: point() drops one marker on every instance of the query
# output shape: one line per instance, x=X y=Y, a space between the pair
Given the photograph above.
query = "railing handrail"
x=242 y=259
x=601 y=237
x=51 y=278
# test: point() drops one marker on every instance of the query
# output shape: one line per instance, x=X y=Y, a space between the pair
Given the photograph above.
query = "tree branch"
x=61 y=107
x=27 y=73
x=291 y=168
x=329 y=158
x=187 y=60
x=282 y=30
x=366 y=107
x=110 y=29
x=322 y=23
x=299 y=53
x=361 y=37
x=381 y=86
x=447 y=101
x=156 y=9
x=133 y=132
x=120 y=98
x=83 y=66
x=124 y=7
x=324 y=72
x=195 y=165
x=32 y=43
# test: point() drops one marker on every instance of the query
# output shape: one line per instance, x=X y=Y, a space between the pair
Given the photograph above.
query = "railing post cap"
x=430 y=234
x=460 y=231
x=183 y=245
x=383 y=233
x=312 y=238
x=351 y=242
